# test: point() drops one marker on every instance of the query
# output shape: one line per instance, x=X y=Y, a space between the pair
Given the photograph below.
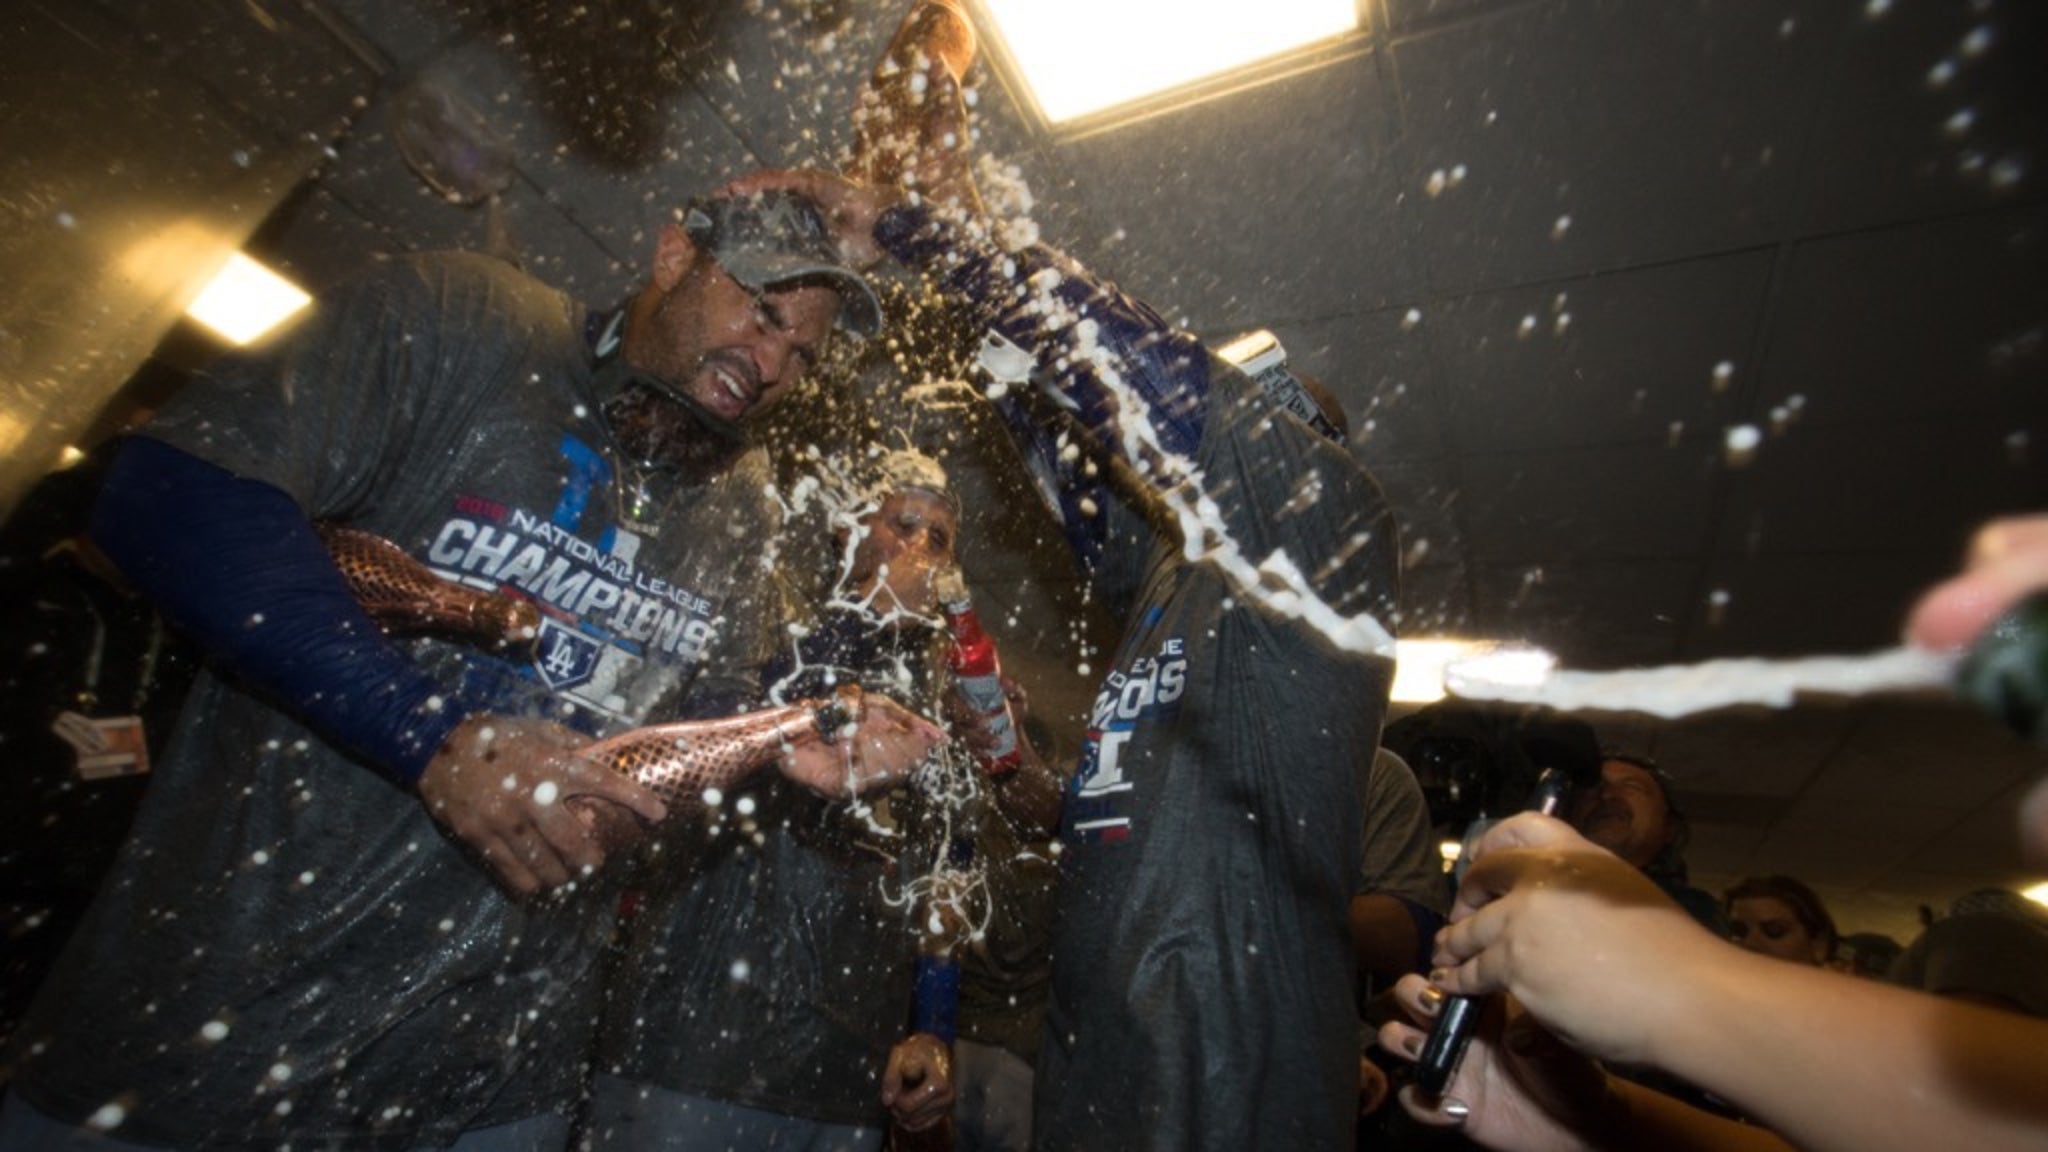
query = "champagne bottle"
x=900 y=123
x=403 y=595
x=2006 y=671
x=681 y=761
x=978 y=676
x=935 y=988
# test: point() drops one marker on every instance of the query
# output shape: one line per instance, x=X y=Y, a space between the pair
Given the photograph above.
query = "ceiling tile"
x=1624 y=358
x=1602 y=614
x=1423 y=496
x=1535 y=508
x=1930 y=109
x=1214 y=220
x=1838 y=854
x=1820 y=604
x=1768 y=752
x=1436 y=600
x=1901 y=488
x=277 y=65
x=1984 y=842
x=1944 y=317
x=786 y=76
x=1568 y=137
x=1404 y=16
x=404 y=32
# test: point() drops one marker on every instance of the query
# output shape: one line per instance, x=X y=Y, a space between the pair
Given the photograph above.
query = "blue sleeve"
x=236 y=565
x=1097 y=348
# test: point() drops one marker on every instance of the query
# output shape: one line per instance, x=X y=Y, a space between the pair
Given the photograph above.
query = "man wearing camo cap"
x=354 y=909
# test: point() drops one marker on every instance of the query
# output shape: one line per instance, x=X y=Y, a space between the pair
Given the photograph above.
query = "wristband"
x=935 y=997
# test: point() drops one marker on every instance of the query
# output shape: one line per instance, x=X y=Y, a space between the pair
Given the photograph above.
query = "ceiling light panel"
x=1084 y=56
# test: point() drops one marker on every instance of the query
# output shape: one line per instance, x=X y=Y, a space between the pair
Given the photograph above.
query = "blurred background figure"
x=1006 y=974
x=1403 y=893
x=1991 y=949
x=82 y=658
x=765 y=996
x=1779 y=916
x=1867 y=954
x=1634 y=815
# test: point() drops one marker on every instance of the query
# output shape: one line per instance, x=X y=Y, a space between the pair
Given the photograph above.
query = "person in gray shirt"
x=358 y=908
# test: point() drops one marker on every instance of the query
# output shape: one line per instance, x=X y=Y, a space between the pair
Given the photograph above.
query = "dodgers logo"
x=567 y=657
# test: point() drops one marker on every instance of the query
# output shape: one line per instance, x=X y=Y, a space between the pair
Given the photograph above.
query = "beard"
x=659 y=427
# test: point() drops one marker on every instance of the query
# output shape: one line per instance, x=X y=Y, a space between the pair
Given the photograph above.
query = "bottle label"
x=984 y=694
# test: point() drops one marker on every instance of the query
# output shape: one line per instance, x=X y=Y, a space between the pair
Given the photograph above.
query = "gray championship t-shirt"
x=1203 y=970
x=289 y=949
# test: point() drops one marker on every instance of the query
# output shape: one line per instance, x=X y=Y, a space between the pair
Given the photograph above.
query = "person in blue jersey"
x=1203 y=975
x=357 y=909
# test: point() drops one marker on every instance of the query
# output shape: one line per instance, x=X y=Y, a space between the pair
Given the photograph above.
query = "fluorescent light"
x=1421 y=665
x=245 y=299
x=1419 y=668
x=1516 y=665
x=2038 y=893
x=1082 y=56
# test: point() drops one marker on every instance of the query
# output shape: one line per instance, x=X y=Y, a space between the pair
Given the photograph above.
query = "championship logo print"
x=567 y=658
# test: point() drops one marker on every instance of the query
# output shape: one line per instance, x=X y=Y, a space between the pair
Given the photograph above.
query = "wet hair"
x=904 y=469
x=1805 y=904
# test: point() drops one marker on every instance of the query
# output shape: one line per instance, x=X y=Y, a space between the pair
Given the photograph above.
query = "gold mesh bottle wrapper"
x=893 y=119
x=403 y=595
x=680 y=762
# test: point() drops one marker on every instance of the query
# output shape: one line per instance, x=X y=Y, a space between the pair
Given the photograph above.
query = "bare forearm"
x=1834 y=1062
x=1642 y=1117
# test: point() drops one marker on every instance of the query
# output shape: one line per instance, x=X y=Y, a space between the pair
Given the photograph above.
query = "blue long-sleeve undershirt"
x=1097 y=347
x=234 y=563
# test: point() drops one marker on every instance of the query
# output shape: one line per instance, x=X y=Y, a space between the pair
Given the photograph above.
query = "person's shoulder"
x=470 y=286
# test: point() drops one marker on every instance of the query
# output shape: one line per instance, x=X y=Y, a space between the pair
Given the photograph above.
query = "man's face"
x=731 y=350
x=905 y=544
x=1627 y=814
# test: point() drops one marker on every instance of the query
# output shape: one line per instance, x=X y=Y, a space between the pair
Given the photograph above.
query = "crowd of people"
x=380 y=893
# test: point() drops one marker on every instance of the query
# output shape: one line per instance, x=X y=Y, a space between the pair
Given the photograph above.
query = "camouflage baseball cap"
x=767 y=239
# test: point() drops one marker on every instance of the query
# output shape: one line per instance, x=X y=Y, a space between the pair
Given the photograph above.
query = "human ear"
x=674 y=252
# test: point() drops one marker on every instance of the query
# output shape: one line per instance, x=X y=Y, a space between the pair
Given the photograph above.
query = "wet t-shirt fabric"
x=1203 y=987
x=289 y=948
x=776 y=971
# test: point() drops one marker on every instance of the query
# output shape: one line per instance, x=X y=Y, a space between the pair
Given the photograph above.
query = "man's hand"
x=499 y=785
x=925 y=147
x=2008 y=559
x=887 y=742
x=918 y=1086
